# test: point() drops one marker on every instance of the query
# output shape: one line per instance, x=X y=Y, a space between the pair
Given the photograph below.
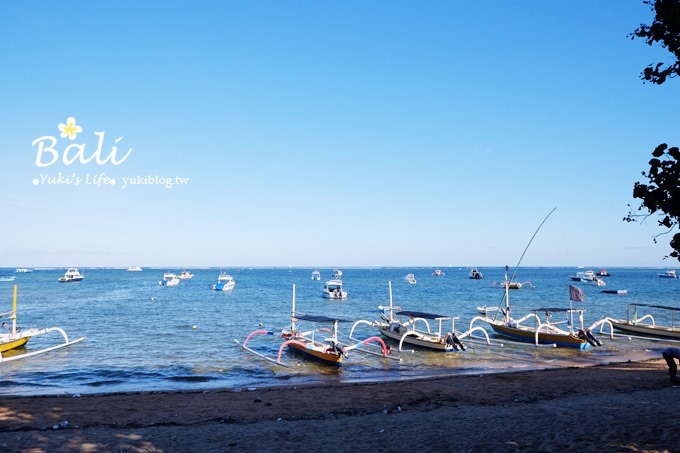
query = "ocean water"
x=143 y=337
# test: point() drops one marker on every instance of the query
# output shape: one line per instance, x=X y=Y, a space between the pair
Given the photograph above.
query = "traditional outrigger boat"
x=543 y=332
x=547 y=332
x=637 y=325
x=400 y=326
x=513 y=284
x=327 y=349
x=17 y=338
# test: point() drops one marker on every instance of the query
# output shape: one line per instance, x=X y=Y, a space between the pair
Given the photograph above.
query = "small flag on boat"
x=576 y=294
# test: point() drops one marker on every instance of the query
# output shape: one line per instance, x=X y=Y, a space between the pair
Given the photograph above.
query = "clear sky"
x=329 y=133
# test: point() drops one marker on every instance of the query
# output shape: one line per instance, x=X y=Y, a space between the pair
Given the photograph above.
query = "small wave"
x=104 y=383
x=191 y=378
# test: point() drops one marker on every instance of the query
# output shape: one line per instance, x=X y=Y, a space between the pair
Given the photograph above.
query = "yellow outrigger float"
x=16 y=337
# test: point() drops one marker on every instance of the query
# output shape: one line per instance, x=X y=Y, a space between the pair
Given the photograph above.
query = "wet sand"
x=619 y=407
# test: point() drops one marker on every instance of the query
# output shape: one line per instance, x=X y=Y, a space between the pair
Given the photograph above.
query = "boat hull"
x=422 y=341
x=223 y=286
x=70 y=279
x=13 y=344
x=647 y=330
x=324 y=357
x=529 y=336
x=335 y=296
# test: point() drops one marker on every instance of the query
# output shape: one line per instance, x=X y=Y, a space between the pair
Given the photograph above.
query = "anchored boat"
x=169 y=279
x=225 y=282
x=319 y=343
x=16 y=337
x=72 y=275
x=668 y=274
x=646 y=324
x=548 y=331
x=333 y=290
x=400 y=326
x=475 y=274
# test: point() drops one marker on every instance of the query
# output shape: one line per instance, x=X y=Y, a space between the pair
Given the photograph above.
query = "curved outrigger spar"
x=400 y=326
x=327 y=349
x=16 y=338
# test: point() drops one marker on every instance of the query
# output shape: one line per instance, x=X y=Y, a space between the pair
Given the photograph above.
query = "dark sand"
x=620 y=407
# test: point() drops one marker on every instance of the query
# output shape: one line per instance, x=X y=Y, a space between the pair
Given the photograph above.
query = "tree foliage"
x=665 y=31
x=661 y=195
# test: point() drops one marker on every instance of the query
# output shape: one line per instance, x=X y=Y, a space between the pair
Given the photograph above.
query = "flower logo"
x=70 y=129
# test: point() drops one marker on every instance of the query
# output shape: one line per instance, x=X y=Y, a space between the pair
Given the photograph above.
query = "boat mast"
x=507 y=296
x=14 y=312
x=389 y=284
x=292 y=313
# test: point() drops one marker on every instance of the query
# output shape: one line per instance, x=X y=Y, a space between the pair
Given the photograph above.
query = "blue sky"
x=381 y=133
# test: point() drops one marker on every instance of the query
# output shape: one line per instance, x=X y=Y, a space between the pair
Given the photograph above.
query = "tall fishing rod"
x=530 y=241
x=514 y=272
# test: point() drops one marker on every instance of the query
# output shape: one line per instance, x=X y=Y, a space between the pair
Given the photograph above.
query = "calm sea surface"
x=143 y=337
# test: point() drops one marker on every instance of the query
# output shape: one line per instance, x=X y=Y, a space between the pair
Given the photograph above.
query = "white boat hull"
x=647 y=329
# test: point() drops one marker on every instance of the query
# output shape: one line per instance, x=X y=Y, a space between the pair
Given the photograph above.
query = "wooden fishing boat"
x=546 y=332
x=512 y=284
x=646 y=325
x=400 y=326
x=16 y=338
x=319 y=343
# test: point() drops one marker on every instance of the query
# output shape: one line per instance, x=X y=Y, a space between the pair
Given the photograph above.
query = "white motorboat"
x=337 y=274
x=225 y=282
x=669 y=274
x=333 y=290
x=316 y=275
x=72 y=275
x=169 y=279
x=23 y=270
x=134 y=269
x=475 y=274
x=588 y=277
x=186 y=275
x=411 y=279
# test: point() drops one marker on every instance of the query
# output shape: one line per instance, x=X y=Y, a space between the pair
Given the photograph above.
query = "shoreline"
x=625 y=406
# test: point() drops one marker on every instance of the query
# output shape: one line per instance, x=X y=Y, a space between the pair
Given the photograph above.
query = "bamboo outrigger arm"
x=34 y=332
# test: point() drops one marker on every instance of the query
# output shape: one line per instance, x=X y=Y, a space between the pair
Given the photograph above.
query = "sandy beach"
x=619 y=407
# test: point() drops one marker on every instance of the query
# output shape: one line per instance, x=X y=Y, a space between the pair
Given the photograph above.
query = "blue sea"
x=144 y=337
